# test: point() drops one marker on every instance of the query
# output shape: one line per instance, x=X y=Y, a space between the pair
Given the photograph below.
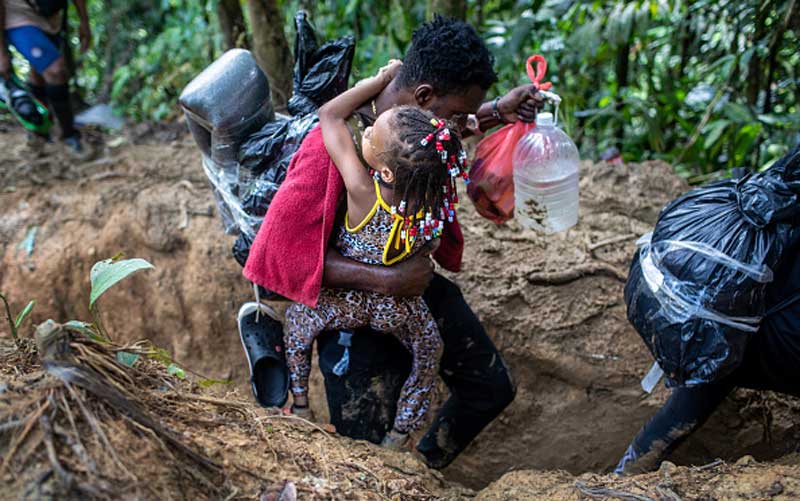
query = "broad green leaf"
x=175 y=370
x=745 y=138
x=127 y=359
x=714 y=130
x=87 y=330
x=738 y=113
x=24 y=313
x=769 y=119
x=205 y=383
x=106 y=273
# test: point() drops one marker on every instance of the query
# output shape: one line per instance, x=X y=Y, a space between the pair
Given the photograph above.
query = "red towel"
x=288 y=254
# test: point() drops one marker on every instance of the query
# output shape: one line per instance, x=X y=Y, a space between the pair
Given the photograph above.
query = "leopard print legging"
x=406 y=318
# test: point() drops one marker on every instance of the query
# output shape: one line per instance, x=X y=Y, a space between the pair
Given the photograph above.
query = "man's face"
x=456 y=107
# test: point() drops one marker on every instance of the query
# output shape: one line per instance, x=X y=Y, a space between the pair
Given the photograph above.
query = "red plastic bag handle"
x=536 y=75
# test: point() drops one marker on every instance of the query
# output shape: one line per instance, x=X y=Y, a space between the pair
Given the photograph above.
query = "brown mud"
x=553 y=305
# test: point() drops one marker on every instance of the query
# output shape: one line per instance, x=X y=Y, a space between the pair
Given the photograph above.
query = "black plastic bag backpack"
x=696 y=286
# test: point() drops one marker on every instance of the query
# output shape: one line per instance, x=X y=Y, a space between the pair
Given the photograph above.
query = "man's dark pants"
x=363 y=401
x=771 y=362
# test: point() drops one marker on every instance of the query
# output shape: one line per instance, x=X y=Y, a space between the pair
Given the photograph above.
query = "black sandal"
x=262 y=339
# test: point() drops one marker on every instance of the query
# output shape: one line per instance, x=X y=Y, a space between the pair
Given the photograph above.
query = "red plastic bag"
x=491 y=186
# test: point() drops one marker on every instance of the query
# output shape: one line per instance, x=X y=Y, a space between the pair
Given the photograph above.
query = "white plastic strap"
x=680 y=305
x=652 y=378
x=258 y=300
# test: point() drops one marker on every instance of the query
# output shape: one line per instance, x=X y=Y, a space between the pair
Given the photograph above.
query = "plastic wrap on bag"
x=246 y=149
x=218 y=122
x=696 y=288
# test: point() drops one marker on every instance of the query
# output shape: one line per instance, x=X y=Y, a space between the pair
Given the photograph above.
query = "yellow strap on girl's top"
x=395 y=240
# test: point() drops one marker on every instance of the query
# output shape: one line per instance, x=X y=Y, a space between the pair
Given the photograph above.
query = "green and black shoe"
x=30 y=113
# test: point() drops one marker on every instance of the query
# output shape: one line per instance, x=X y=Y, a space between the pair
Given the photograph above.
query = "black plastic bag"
x=267 y=154
x=246 y=150
x=696 y=287
x=263 y=148
x=305 y=47
x=320 y=74
x=241 y=248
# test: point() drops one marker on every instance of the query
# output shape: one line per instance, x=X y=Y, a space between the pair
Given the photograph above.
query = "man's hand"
x=5 y=62
x=85 y=36
x=412 y=276
x=521 y=103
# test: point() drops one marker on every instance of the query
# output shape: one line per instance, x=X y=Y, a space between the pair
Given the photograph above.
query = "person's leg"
x=685 y=411
x=421 y=338
x=45 y=58
x=474 y=370
x=362 y=394
x=337 y=309
x=57 y=91
x=301 y=327
x=771 y=362
x=36 y=84
x=362 y=401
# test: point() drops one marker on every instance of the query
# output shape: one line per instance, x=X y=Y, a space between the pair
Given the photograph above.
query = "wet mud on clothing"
x=362 y=402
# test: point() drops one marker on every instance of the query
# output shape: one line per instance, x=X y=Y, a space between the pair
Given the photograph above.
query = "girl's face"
x=375 y=139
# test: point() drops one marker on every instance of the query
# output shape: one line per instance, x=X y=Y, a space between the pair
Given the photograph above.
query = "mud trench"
x=552 y=304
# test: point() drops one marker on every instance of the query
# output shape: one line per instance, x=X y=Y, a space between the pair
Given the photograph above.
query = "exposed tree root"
x=576 y=273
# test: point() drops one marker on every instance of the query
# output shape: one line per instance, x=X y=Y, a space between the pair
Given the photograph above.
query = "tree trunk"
x=271 y=48
x=754 y=68
x=623 y=61
x=231 y=24
x=686 y=40
x=452 y=8
x=774 y=48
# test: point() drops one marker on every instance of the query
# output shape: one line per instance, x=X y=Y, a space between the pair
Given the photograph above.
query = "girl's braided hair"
x=426 y=158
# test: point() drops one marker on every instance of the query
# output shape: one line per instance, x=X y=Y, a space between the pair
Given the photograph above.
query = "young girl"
x=394 y=204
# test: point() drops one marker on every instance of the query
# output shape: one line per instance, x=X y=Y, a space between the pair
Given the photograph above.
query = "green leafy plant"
x=104 y=274
x=14 y=323
x=705 y=85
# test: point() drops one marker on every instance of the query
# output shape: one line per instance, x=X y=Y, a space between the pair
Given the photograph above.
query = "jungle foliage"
x=706 y=85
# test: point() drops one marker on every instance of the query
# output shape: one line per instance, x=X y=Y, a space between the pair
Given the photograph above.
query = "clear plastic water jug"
x=546 y=178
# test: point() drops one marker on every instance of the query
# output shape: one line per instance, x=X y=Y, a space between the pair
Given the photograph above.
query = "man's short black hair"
x=449 y=55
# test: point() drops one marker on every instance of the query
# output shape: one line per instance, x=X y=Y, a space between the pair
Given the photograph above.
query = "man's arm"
x=408 y=278
x=5 y=57
x=84 y=30
x=521 y=103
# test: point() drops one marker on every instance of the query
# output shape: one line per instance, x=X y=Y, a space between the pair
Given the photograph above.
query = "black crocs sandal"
x=262 y=339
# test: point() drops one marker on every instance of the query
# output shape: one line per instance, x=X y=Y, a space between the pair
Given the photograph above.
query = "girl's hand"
x=388 y=72
x=384 y=75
